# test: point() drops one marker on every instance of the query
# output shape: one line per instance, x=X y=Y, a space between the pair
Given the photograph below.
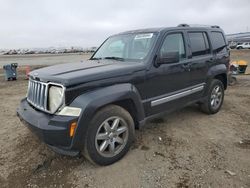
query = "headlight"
x=55 y=98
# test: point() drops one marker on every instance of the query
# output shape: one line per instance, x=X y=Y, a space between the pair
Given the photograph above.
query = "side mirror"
x=170 y=57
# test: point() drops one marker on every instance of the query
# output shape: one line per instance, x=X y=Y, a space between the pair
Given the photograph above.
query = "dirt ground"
x=184 y=149
x=43 y=59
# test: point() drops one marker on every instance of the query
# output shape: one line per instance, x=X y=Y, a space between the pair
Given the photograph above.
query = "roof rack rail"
x=215 y=26
x=198 y=25
x=183 y=25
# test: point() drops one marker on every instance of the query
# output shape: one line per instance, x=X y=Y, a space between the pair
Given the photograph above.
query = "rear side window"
x=218 y=40
x=199 y=43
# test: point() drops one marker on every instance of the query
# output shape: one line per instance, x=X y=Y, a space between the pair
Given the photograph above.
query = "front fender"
x=91 y=101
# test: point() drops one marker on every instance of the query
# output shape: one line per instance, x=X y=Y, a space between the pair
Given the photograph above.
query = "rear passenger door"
x=200 y=56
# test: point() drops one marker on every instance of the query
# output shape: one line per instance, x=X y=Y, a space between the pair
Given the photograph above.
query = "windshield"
x=126 y=47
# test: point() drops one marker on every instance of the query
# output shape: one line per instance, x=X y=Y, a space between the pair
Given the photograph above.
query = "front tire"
x=214 y=99
x=109 y=136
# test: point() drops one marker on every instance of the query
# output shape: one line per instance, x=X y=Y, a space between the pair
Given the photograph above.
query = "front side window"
x=174 y=43
x=126 y=47
x=199 y=43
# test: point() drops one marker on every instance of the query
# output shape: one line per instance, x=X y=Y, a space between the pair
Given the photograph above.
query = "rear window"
x=218 y=40
x=199 y=43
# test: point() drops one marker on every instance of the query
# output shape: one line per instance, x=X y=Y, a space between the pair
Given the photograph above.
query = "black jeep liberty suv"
x=93 y=107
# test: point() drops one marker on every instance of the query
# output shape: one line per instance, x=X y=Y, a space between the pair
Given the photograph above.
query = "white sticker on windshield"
x=144 y=36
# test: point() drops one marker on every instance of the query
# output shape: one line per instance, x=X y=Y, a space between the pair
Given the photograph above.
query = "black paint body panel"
x=93 y=84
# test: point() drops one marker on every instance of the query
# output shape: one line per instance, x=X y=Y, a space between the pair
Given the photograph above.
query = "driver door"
x=167 y=83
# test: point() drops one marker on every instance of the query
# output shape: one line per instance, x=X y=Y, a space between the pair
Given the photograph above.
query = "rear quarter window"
x=218 y=40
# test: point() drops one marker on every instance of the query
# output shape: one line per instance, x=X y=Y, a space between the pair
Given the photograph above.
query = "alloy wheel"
x=216 y=97
x=111 y=136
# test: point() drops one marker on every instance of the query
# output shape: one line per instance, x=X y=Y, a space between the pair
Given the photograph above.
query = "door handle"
x=186 y=66
x=211 y=60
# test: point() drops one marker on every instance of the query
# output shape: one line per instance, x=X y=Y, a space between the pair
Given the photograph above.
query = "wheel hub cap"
x=111 y=136
x=216 y=97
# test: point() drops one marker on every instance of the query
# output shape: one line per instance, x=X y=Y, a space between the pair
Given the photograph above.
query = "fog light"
x=72 y=129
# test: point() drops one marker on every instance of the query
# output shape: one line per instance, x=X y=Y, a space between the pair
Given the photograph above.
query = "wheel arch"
x=223 y=78
x=218 y=72
x=124 y=95
x=129 y=105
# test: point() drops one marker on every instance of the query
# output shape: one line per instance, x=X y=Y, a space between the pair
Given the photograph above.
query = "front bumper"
x=51 y=129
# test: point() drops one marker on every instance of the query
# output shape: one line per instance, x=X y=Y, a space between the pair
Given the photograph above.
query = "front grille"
x=38 y=94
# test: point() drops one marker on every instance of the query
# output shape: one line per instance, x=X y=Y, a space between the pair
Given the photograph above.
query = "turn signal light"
x=72 y=129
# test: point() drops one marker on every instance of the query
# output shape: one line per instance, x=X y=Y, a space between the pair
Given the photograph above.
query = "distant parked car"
x=245 y=45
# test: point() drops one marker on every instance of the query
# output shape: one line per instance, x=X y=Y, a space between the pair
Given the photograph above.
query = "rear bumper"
x=51 y=129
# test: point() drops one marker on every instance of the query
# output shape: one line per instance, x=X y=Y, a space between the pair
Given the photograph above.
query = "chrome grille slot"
x=37 y=94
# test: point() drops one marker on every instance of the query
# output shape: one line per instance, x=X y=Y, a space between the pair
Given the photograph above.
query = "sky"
x=65 y=23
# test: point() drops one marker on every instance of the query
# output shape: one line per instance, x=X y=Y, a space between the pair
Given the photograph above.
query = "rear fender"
x=216 y=70
x=213 y=72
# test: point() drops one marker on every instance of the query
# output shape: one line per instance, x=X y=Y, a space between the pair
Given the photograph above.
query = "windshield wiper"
x=95 y=58
x=115 y=58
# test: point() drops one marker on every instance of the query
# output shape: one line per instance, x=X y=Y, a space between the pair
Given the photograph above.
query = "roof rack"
x=215 y=26
x=197 y=25
x=183 y=25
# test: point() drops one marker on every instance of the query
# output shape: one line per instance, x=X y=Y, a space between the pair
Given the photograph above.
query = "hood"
x=82 y=72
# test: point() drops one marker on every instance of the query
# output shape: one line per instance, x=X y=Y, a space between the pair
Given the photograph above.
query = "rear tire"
x=214 y=99
x=109 y=135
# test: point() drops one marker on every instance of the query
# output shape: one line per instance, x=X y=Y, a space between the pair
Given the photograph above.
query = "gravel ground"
x=184 y=149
